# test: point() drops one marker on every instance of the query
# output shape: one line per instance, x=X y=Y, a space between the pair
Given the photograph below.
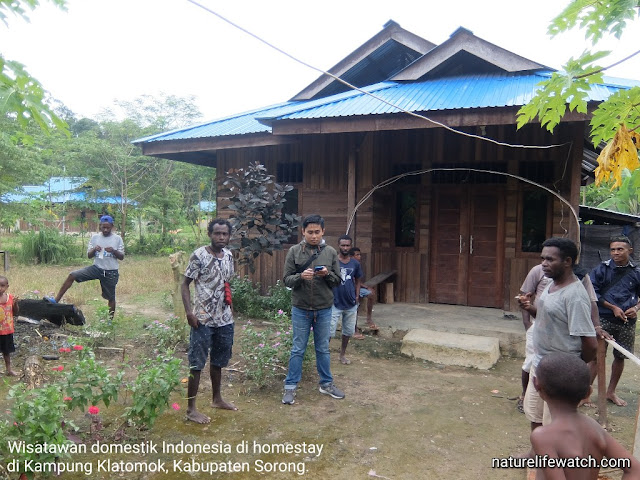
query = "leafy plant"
x=47 y=246
x=616 y=119
x=246 y=297
x=248 y=301
x=103 y=324
x=37 y=418
x=627 y=198
x=169 y=333
x=279 y=297
x=258 y=221
x=266 y=351
x=156 y=381
x=87 y=382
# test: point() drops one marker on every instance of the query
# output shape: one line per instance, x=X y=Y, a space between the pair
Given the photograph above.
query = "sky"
x=99 y=51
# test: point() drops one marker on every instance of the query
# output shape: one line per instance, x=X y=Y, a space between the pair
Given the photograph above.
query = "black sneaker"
x=289 y=397
x=332 y=390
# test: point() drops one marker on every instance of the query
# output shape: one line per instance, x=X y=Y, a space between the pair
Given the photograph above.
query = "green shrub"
x=157 y=244
x=170 y=333
x=157 y=379
x=266 y=351
x=47 y=246
x=279 y=298
x=248 y=301
x=246 y=298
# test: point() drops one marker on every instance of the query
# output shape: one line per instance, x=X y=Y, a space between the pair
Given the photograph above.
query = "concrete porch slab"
x=397 y=319
x=452 y=348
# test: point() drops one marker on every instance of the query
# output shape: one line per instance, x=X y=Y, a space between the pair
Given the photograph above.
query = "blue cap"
x=106 y=219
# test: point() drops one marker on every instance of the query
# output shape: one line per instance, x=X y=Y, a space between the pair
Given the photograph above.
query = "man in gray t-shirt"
x=563 y=317
x=106 y=248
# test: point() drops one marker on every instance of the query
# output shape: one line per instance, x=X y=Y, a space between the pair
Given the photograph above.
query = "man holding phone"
x=311 y=271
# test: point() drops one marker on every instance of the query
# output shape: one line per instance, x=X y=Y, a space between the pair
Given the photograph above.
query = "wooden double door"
x=467 y=245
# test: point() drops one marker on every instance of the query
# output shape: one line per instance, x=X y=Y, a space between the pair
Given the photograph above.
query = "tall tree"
x=616 y=121
x=21 y=95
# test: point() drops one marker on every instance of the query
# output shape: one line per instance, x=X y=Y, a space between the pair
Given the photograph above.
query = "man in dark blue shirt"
x=346 y=295
x=617 y=286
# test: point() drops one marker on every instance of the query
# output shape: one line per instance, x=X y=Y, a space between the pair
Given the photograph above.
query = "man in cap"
x=106 y=248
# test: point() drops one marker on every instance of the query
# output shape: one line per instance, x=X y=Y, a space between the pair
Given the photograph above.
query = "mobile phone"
x=318 y=268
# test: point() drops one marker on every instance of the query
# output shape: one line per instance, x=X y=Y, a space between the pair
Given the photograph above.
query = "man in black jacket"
x=311 y=270
x=617 y=285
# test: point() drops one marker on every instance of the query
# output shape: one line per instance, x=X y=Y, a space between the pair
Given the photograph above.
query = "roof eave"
x=391 y=31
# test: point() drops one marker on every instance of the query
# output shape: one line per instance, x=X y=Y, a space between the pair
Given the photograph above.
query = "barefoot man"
x=211 y=319
x=617 y=285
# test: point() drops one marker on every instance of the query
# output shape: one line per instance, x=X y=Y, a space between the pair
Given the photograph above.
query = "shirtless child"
x=563 y=381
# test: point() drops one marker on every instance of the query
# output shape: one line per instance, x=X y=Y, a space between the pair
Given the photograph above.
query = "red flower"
x=67 y=399
x=62 y=349
x=175 y=406
x=59 y=368
x=93 y=410
x=78 y=347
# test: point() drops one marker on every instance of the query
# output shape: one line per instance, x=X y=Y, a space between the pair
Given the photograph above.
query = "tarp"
x=54 y=312
x=594 y=241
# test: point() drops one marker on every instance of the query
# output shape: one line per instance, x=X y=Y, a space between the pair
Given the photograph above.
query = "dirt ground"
x=402 y=419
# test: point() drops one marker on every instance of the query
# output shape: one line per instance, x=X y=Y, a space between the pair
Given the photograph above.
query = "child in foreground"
x=8 y=309
x=563 y=381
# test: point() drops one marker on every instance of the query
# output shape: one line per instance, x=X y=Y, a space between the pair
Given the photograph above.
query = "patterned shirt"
x=209 y=274
x=6 y=316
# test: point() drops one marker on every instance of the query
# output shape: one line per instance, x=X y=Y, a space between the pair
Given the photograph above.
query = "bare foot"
x=344 y=360
x=615 y=399
x=224 y=405
x=11 y=373
x=197 y=417
x=587 y=403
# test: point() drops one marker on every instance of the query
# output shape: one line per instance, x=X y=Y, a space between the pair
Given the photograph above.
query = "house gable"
x=464 y=53
x=381 y=57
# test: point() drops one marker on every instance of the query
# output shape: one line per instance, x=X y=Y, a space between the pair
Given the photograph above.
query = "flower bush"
x=266 y=350
x=156 y=381
x=88 y=382
x=37 y=418
x=170 y=333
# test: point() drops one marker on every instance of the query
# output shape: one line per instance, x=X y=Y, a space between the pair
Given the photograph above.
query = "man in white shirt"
x=106 y=248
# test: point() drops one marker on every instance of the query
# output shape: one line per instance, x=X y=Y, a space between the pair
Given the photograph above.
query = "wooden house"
x=467 y=224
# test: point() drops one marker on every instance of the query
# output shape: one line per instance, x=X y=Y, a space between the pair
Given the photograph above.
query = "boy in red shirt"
x=8 y=309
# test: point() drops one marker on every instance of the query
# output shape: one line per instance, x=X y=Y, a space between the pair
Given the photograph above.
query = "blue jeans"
x=302 y=321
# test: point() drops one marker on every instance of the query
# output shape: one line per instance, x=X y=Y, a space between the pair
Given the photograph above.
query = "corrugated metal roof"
x=464 y=92
x=239 y=124
x=450 y=93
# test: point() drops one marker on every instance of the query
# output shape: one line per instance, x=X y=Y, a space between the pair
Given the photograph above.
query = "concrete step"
x=451 y=348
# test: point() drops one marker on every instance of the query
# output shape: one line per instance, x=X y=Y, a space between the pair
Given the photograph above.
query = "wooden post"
x=177 y=261
x=601 y=362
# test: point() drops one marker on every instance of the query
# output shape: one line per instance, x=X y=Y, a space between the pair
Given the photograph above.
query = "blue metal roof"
x=55 y=190
x=238 y=124
x=450 y=93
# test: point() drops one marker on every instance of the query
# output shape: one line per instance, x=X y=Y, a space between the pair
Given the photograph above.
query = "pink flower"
x=78 y=347
x=67 y=399
x=58 y=368
x=175 y=406
x=93 y=410
x=276 y=345
x=280 y=312
x=62 y=349
x=261 y=345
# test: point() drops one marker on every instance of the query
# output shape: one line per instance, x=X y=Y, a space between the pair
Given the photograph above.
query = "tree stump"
x=33 y=372
x=178 y=265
